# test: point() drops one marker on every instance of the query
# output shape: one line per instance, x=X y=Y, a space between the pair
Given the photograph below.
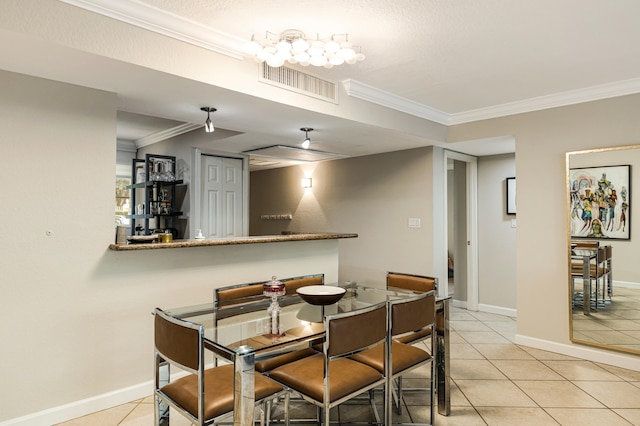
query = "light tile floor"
x=493 y=382
x=618 y=323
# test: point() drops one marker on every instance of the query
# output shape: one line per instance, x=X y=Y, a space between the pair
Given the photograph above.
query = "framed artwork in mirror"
x=600 y=202
x=511 y=195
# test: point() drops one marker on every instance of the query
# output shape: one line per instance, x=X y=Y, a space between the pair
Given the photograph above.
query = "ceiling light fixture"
x=307 y=140
x=208 y=124
x=294 y=47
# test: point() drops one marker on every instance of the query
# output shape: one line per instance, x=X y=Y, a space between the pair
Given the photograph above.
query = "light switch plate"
x=413 y=222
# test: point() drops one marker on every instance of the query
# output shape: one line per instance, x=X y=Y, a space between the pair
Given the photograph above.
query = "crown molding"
x=368 y=93
x=166 y=134
x=126 y=145
x=168 y=24
x=572 y=97
x=610 y=90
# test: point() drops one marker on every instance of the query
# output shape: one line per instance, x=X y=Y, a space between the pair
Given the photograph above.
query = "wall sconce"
x=306 y=182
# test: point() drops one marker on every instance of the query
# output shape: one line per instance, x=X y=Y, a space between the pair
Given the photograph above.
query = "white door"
x=222 y=197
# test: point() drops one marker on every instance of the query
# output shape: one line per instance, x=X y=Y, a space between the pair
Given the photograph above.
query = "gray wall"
x=497 y=239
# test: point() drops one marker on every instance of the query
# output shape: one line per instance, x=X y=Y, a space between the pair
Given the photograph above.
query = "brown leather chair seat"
x=218 y=391
x=276 y=361
x=403 y=356
x=307 y=376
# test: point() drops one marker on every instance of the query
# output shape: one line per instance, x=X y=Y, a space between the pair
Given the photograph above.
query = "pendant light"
x=307 y=140
x=208 y=124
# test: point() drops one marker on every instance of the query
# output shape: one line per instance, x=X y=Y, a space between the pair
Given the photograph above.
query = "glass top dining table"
x=246 y=331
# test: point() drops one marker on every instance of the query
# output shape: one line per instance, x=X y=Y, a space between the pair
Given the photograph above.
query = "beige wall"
x=496 y=237
x=372 y=196
x=542 y=138
x=76 y=326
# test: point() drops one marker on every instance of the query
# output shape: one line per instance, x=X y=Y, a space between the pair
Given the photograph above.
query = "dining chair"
x=330 y=378
x=583 y=244
x=203 y=396
x=405 y=316
x=415 y=283
x=420 y=284
x=248 y=297
x=597 y=274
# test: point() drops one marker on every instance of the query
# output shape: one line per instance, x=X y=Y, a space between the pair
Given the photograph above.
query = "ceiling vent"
x=299 y=82
x=293 y=153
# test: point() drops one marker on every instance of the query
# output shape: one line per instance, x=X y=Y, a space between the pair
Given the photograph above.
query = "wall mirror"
x=604 y=272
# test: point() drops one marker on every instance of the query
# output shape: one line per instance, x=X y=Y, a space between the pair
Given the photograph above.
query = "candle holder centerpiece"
x=274 y=289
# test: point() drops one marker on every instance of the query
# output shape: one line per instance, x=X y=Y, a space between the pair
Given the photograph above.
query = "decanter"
x=274 y=289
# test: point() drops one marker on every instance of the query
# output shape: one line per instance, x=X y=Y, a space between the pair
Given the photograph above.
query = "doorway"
x=219 y=192
x=460 y=236
x=222 y=197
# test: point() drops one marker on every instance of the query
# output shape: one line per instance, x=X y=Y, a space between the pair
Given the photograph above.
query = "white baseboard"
x=499 y=310
x=462 y=304
x=617 y=359
x=83 y=407
x=625 y=284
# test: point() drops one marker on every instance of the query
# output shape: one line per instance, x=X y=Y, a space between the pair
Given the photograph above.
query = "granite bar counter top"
x=261 y=239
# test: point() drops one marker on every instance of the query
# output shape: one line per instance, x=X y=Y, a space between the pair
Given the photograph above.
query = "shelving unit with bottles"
x=153 y=194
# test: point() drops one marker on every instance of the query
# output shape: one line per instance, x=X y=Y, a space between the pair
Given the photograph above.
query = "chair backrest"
x=350 y=332
x=237 y=294
x=580 y=244
x=412 y=314
x=247 y=293
x=179 y=342
x=292 y=284
x=420 y=283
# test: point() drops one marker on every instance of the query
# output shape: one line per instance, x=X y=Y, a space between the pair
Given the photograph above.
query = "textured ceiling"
x=447 y=61
x=454 y=56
